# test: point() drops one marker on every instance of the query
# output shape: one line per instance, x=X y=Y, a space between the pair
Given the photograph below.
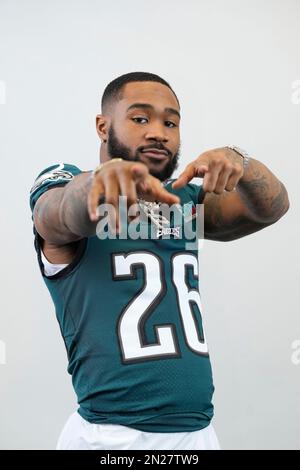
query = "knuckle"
x=98 y=177
x=110 y=199
x=237 y=169
x=229 y=167
x=218 y=190
x=217 y=161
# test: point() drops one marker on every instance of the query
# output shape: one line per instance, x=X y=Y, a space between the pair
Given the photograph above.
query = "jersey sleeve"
x=55 y=175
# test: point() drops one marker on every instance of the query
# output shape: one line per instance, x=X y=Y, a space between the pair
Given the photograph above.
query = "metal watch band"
x=241 y=152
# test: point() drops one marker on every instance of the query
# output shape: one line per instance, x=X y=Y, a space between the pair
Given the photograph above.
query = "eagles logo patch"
x=57 y=174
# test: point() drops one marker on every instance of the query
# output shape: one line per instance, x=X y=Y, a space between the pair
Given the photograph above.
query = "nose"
x=157 y=132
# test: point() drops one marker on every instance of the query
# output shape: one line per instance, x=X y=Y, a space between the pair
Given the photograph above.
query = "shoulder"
x=57 y=174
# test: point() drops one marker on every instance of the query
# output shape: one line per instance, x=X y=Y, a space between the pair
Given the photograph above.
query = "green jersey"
x=129 y=311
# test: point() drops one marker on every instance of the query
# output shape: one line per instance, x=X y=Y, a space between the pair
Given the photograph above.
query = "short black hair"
x=113 y=91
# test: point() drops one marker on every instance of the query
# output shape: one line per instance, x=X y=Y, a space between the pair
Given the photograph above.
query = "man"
x=129 y=308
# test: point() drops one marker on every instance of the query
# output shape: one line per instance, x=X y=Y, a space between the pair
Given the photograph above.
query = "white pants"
x=80 y=434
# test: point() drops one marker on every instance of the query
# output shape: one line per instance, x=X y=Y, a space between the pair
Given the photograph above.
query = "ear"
x=102 y=127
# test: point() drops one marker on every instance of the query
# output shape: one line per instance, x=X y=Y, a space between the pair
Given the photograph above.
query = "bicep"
x=47 y=218
x=227 y=218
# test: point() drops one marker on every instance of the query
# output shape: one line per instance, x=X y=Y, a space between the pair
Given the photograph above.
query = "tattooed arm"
x=259 y=200
x=60 y=214
x=66 y=214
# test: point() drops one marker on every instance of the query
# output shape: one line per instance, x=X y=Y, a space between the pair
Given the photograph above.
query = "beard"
x=117 y=149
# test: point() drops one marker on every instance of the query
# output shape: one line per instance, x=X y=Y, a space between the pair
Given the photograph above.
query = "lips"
x=155 y=153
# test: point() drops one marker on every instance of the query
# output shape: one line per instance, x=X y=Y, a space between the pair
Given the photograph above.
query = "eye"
x=170 y=122
x=140 y=118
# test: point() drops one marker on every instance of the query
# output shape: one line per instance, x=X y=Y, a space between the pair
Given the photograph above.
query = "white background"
x=232 y=64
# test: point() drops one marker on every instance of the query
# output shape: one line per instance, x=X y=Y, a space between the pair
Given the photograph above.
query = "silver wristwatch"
x=242 y=153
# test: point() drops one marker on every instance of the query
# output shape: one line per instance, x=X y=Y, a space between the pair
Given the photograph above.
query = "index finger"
x=162 y=195
x=184 y=177
x=192 y=170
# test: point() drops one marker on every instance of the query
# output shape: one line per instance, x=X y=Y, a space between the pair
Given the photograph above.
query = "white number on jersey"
x=131 y=322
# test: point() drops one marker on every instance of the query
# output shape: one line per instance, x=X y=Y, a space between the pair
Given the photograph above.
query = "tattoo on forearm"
x=238 y=228
x=279 y=201
x=220 y=227
x=260 y=200
x=65 y=211
x=74 y=206
x=264 y=195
